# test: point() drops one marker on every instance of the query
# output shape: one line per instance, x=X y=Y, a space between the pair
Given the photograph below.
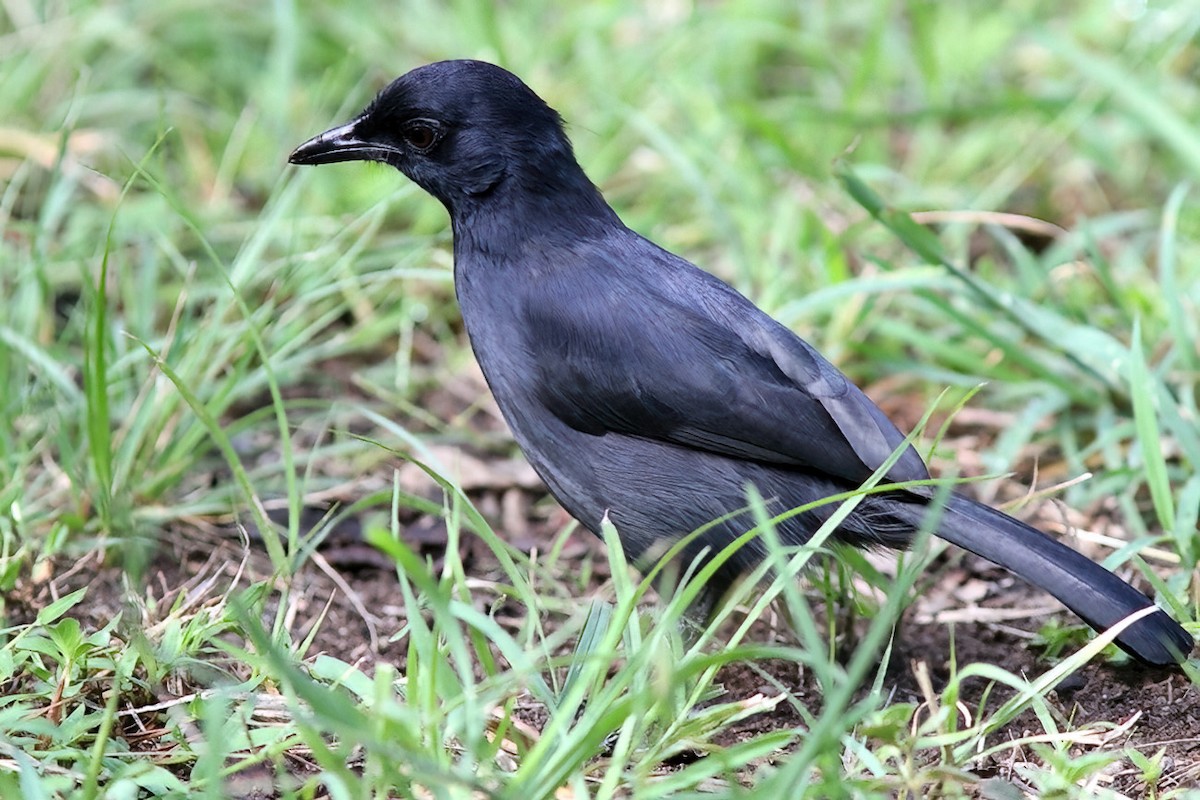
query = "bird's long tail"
x=1098 y=596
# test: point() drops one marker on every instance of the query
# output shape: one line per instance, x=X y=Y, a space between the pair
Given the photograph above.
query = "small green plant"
x=198 y=344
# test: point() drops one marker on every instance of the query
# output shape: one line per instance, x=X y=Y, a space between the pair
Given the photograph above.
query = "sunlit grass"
x=175 y=298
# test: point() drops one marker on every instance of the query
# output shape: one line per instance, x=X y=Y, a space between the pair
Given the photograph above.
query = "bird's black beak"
x=340 y=144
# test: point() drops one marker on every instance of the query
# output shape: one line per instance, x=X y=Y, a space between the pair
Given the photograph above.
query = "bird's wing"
x=688 y=360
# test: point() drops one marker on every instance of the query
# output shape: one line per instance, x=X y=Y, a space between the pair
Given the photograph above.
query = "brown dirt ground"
x=989 y=616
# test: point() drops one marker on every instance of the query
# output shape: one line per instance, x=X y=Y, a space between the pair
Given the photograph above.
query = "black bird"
x=645 y=389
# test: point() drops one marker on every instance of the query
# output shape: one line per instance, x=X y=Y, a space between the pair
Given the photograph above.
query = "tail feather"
x=1099 y=597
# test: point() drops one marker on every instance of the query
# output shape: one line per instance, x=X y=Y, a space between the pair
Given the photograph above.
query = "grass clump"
x=214 y=366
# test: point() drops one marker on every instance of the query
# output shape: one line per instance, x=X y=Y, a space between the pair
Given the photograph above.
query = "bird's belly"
x=656 y=492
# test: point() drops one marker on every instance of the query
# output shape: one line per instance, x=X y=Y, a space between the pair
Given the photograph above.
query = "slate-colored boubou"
x=645 y=389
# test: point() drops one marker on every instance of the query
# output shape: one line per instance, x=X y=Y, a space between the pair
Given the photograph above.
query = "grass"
x=195 y=336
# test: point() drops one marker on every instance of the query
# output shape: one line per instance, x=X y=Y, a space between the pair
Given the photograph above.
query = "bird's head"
x=460 y=130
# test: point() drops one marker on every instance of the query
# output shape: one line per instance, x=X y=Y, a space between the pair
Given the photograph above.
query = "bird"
x=648 y=393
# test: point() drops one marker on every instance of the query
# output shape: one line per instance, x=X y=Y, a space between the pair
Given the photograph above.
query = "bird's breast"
x=490 y=300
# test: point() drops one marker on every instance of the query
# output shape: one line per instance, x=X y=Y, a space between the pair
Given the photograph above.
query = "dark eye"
x=421 y=134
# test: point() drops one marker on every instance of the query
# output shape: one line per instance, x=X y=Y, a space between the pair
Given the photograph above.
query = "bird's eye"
x=421 y=134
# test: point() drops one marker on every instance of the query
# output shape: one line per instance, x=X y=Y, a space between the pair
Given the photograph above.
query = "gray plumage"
x=645 y=389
